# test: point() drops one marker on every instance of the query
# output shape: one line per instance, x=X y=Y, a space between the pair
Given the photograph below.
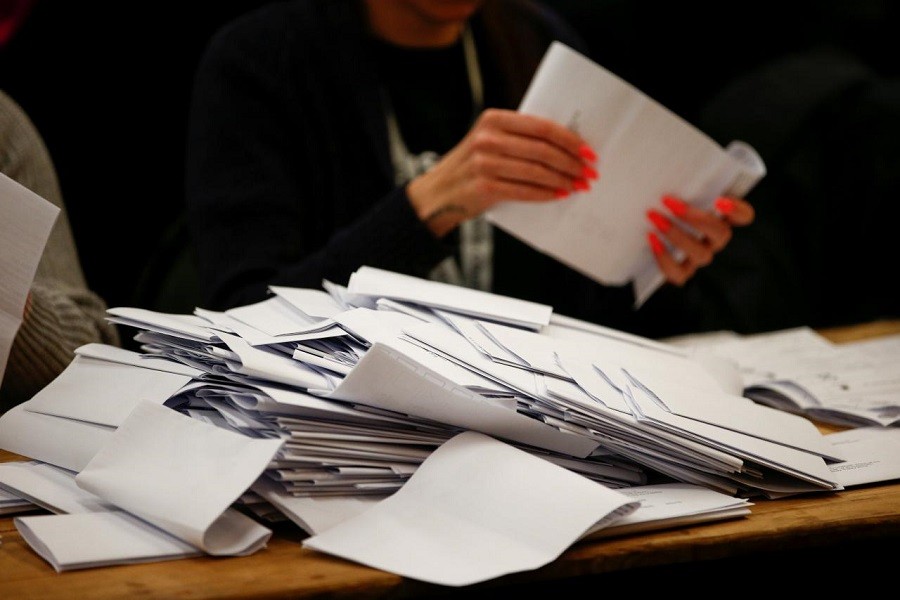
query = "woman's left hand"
x=692 y=250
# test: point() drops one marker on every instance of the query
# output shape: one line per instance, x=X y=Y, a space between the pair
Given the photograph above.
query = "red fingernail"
x=678 y=207
x=655 y=244
x=589 y=172
x=724 y=205
x=561 y=193
x=581 y=185
x=661 y=223
x=587 y=153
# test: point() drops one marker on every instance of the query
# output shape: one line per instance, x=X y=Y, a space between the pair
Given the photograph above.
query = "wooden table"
x=829 y=542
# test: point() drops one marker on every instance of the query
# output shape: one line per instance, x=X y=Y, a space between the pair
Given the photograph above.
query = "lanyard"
x=474 y=268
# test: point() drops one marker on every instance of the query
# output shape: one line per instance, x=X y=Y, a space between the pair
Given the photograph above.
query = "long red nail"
x=581 y=185
x=678 y=207
x=589 y=172
x=561 y=193
x=724 y=205
x=655 y=244
x=661 y=223
x=587 y=153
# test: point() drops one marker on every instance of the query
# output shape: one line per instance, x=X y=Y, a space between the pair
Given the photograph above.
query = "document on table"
x=182 y=476
x=68 y=421
x=273 y=316
x=11 y=502
x=79 y=515
x=168 y=482
x=474 y=510
x=25 y=223
x=388 y=378
x=49 y=487
x=103 y=392
x=377 y=283
x=171 y=480
x=798 y=370
x=806 y=466
x=313 y=515
x=673 y=505
x=646 y=152
x=60 y=441
x=97 y=539
x=872 y=455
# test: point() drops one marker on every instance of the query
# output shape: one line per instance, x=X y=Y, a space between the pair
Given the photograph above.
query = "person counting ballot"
x=328 y=135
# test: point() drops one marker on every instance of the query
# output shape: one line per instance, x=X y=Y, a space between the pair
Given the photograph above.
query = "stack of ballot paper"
x=361 y=390
x=318 y=406
x=361 y=385
x=11 y=502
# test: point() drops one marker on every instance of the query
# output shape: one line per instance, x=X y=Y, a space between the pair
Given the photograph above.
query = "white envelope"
x=377 y=283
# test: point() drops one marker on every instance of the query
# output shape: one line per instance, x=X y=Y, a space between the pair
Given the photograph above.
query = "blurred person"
x=325 y=135
x=828 y=121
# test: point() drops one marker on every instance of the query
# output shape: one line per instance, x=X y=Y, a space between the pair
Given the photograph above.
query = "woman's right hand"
x=506 y=155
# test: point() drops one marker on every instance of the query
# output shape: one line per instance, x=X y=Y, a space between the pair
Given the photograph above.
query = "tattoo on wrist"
x=444 y=211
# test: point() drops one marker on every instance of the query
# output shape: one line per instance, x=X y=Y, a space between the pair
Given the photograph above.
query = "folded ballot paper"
x=646 y=152
x=164 y=485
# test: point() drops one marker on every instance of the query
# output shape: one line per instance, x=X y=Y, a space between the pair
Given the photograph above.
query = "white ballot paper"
x=645 y=152
x=668 y=505
x=60 y=538
x=49 y=487
x=182 y=475
x=63 y=442
x=103 y=392
x=25 y=223
x=14 y=503
x=97 y=539
x=872 y=455
x=474 y=510
x=378 y=283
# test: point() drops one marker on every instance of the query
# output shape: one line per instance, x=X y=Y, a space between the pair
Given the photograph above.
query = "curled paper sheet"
x=182 y=475
x=476 y=509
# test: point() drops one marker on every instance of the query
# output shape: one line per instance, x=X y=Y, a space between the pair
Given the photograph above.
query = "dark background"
x=108 y=86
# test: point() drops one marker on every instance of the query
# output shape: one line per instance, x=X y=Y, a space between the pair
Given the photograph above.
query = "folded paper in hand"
x=646 y=152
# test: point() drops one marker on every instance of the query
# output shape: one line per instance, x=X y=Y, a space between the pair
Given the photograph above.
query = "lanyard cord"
x=476 y=244
x=407 y=165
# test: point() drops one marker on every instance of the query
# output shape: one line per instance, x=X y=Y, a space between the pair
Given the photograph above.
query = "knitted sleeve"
x=58 y=320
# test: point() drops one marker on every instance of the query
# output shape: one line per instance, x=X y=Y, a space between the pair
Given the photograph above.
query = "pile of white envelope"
x=328 y=408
